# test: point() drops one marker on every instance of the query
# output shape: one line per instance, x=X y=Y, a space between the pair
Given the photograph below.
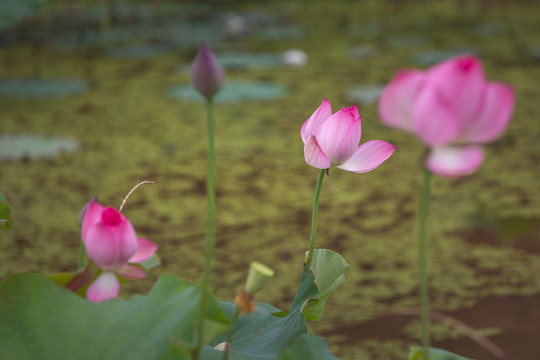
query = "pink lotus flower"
x=452 y=109
x=333 y=140
x=206 y=74
x=111 y=243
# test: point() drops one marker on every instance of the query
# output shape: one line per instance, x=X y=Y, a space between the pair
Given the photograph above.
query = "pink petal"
x=368 y=156
x=145 y=250
x=339 y=136
x=310 y=126
x=396 y=101
x=92 y=216
x=493 y=117
x=105 y=287
x=455 y=161
x=110 y=241
x=434 y=119
x=314 y=155
x=353 y=110
x=462 y=82
x=131 y=272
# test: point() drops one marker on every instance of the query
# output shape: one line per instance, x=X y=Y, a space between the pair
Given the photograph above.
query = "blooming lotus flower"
x=452 y=109
x=111 y=243
x=206 y=74
x=333 y=140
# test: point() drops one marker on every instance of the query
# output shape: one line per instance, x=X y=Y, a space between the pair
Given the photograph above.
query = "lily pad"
x=489 y=29
x=233 y=92
x=280 y=33
x=244 y=60
x=365 y=94
x=406 y=41
x=34 y=88
x=431 y=57
x=19 y=146
x=12 y=12
x=534 y=51
x=361 y=51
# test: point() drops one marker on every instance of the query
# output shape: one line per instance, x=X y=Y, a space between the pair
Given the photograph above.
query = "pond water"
x=484 y=229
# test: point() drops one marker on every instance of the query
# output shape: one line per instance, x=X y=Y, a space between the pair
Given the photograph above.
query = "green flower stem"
x=230 y=334
x=314 y=216
x=423 y=260
x=210 y=224
x=81 y=257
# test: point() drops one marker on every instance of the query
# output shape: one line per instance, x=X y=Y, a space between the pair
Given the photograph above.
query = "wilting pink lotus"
x=206 y=74
x=333 y=140
x=452 y=109
x=111 y=243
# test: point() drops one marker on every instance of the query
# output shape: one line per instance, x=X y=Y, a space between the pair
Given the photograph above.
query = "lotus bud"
x=258 y=275
x=206 y=75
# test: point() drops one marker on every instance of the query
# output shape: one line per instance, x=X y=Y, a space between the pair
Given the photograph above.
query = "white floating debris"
x=295 y=57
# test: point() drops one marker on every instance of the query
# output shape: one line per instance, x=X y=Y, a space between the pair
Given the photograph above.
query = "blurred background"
x=95 y=96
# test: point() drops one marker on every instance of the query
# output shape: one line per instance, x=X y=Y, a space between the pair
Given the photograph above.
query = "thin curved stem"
x=210 y=224
x=230 y=334
x=423 y=260
x=81 y=257
x=314 y=216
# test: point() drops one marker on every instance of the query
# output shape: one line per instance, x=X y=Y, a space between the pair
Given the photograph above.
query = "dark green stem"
x=81 y=257
x=230 y=334
x=423 y=260
x=314 y=216
x=210 y=225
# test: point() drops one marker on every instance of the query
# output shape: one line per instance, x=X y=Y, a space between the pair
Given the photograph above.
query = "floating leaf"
x=233 y=92
x=20 y=146
x=244 y=60
x=361 y=51
x=406 y=41
x=41 y=320
x=279 y=33
x=12 y=12
x=34 y=88
x=5 y=213
x=366 y=94
x=417 y=353
x=489 y=29
x=328 y=268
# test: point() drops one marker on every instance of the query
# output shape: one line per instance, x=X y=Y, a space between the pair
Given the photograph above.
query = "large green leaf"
x=41 y=320
x=261 y=335
x=307 y=346
x=5 y=213
x=328 y=268
x=417 y=353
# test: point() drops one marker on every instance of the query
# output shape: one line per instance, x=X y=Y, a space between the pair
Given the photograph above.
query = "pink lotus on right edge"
x=452 y=109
